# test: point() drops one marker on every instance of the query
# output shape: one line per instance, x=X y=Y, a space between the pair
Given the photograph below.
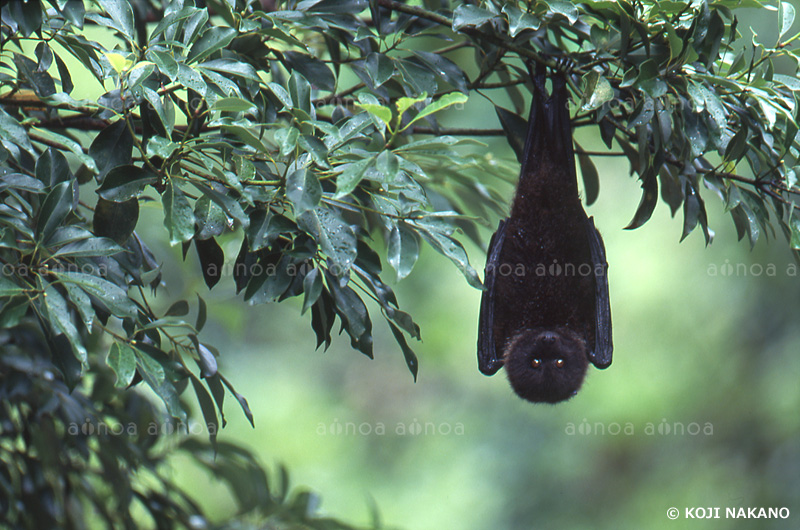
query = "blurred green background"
x=698 y=347
x=706 y=339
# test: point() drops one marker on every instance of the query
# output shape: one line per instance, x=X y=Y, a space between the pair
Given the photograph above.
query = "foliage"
x=309 y=131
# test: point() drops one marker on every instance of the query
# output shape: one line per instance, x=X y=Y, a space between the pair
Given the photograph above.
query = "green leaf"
x=61 y=320
x=242 y=401
x=154 y=374
x=208 y=410
x=28 y=18
x=312 y=69
x=57 y=205
x=112 y=147
x=597 y=92
x=379 y=111
x=562 y=7
x=121 y=15
x=519 y=20
x=95 y=246
x=446 y=69
x=114 y=298
x=115 y=220
x=354 y=315
x=122 y=360
x=235 y=68
x=380 y=68
x=468 y=15
x=316 y=148
x=408 y=353
x=21 y=182
x=212 y=40
x=212 y=258
x=52 y=167
x=443 y=102
x=591 y=180
x=210 y=218
x=126 y=182
x=202 y=312
x=303 y=190
x=74 y=11
x=312 y=288
x=403 y=249
x=286 y=138
x=178 y=214
x=233 y=105
x=436 y=235
x=178 y=309
x=191 y=79
x=786 y=14
x=336 y=238
x=648 y=201
x=795 y=240
x=8 y=288
x=165 y=114
x=12 y=131
x=165 y=62
x=352 y=173
x=230 y=205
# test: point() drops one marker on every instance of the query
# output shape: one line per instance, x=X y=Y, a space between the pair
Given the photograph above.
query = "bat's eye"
x=536 y=363
x=559 y=363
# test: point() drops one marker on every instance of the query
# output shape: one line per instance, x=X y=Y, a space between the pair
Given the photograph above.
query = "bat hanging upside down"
x=545 y=311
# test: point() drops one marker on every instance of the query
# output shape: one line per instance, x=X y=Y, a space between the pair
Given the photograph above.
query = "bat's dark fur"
x=545 y=311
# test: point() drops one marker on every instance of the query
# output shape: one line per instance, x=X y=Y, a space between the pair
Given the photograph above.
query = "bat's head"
x=546 y=365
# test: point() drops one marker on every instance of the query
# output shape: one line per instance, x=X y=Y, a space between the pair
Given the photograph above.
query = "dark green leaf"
x=212 y=40
x=207 y=408
x=648 y=202
x=52 y=167
x=312 y=287
x=178 y=214
x=206 y=361
x=11 y=130
x=210 y=218
x=122 y=359
x=233 y=105
x=379 y=68
x=211 y=258
x=435 y=234
x=304 y=190
x=115 y=220
x=21 y=182
x=61 y=320
x=202 y=313
x=121 y=14
x=95 y=246
x=333 y=235
x=591 y=181
x=242 y=401
x=403 y=249
x=125 y=183
x=112 y=147
x=351 y=175
x=408 y=353
x=230 y=205
x=178 y=309
x=154 y=374
x=468 y=15
x=114 y=298
x=312 y=69
x=515 y=128
x=57 y=205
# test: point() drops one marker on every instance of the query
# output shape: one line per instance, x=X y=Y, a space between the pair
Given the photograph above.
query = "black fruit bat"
x=545 y=311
